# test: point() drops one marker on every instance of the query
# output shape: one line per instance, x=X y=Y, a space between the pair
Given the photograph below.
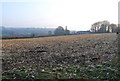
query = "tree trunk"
x=118 y=54
x=118 y=39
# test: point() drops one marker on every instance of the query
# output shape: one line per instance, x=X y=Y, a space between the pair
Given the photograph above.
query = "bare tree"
x=118 y=53
x=113 y=28
x=59 y=31
x=49 y=32
x=103 y=27
x=94 y=27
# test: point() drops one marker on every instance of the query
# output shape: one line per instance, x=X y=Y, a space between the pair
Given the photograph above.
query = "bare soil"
x=40 y=54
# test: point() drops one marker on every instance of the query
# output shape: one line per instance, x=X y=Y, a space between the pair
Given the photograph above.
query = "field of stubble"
x=87 y=56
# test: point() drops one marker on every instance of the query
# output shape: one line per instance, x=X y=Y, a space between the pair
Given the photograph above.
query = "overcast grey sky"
x=76 y=14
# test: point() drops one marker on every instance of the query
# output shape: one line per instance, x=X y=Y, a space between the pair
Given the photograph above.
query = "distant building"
x=83 y=32
x=67 y=32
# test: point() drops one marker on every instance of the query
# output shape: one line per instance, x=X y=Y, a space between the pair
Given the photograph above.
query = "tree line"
x=104 y=27
x=97 y=27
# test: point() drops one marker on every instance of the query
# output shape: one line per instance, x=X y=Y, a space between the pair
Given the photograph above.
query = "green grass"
x=106 y=72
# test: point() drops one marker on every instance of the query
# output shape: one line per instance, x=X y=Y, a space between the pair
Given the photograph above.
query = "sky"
x=75 y=14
